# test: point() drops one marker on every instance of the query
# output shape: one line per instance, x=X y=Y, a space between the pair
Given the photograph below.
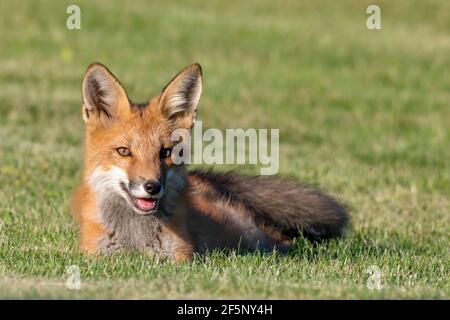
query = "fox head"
x=128 y=145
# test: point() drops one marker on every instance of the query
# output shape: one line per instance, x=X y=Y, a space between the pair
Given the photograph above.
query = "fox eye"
x=124 y=152
x=165 y=153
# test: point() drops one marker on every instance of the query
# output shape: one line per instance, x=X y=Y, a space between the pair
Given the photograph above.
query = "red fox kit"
x=133 y=196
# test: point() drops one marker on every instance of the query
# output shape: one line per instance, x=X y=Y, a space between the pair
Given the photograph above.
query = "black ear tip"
x=96 y=66
x=197 y=67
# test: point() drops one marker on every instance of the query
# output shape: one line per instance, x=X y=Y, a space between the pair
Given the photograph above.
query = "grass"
x=362 y=113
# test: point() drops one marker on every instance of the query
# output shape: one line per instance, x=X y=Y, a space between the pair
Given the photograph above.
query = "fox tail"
x=283 y=206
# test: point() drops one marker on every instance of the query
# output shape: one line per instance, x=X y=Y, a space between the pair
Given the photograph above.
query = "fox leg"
x=96 y=239
x=183 y=251
x=109 y=243
x=93 y=237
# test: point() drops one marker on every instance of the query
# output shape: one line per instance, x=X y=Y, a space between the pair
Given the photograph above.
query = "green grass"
x=364 y=114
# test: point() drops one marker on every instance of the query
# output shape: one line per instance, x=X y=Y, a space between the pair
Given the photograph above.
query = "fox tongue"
x=145 y=204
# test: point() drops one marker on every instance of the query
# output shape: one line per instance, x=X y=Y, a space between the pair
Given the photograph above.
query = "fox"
x=134 y=196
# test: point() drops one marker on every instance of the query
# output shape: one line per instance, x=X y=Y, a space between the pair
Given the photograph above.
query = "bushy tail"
x=284 y=206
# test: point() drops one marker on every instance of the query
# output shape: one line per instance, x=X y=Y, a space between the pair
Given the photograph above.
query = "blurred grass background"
x=364 y=114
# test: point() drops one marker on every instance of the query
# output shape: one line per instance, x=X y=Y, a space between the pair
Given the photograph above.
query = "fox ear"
x=103 y=96
x=180 y=97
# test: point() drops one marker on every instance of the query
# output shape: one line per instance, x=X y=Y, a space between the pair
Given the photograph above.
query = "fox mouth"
x=142 y=205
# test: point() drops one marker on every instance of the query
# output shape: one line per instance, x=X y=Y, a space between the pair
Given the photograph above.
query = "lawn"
x=363 y=114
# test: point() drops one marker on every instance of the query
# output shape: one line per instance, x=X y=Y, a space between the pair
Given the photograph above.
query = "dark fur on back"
x=283 y=205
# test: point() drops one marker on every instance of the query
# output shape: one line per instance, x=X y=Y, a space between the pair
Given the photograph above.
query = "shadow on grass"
x=372 y=245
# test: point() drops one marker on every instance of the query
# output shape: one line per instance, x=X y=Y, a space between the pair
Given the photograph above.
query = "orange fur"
x=84 y=209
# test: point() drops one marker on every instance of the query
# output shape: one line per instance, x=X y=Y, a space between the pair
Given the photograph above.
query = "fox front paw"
x=109 y=244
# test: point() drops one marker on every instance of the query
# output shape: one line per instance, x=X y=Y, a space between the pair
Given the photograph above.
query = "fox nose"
x=152 y=187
